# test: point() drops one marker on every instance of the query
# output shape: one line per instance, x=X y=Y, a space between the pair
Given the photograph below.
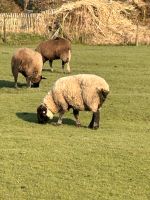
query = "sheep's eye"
x=44 y=112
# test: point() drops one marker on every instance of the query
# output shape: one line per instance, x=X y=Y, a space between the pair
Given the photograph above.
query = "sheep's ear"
x=42 y=77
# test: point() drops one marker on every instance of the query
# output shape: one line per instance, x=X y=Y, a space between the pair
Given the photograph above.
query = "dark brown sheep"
x=58 y=48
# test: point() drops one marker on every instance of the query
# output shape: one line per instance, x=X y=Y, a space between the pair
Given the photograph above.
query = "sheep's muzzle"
x=36 y=81
x=35 y=85
x=42 y=114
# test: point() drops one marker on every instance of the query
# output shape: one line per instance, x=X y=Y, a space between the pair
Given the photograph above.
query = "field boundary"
x=25 y=22
x=96 y=22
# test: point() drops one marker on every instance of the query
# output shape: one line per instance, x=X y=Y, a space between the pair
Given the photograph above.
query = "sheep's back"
x=80 y=91
x=67 y=92
x=52 y=49
x=27 y=59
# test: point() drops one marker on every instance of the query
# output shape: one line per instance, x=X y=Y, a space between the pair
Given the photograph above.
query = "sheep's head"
x=36 y=81
x=43 y=114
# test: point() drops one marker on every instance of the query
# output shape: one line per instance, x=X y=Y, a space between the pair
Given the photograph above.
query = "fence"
x=25 y=22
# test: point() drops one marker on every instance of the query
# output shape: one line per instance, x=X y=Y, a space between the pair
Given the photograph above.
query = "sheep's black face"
x=42 y=114
x=36 y=81
x=35 y=85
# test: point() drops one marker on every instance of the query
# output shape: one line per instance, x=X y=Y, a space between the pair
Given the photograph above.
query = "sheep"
x=58 y=48
x=29 y=63
x=79 y=92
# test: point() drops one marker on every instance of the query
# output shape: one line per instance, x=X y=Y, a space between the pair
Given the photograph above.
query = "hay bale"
x=100 y=22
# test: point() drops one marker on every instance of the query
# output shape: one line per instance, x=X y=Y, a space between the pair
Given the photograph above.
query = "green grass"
x=21 y=39
x=47 y=162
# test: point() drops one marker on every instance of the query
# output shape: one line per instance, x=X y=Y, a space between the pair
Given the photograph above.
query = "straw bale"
x=100 y=22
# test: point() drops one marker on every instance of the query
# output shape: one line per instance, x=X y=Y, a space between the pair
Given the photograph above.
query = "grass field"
x=39 y=162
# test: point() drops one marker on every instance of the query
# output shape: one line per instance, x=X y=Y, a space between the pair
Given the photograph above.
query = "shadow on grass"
x=29 y=117
x=32 y=118
x=7 y=84
x=10 y=84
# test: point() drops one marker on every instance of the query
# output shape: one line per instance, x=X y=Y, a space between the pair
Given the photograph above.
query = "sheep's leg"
x=15 y=74
x=59 y=122
x=68 y=67
x=96 y=119
x=16 y=78
x=68 y=63
x=94 y=124
x=51 y=65
x=76 y=115
x=28 y=82
x=63 y=65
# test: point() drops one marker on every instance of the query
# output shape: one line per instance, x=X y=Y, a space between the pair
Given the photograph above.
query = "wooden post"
x=137 y=34
x=4 y=30
x=62 y=26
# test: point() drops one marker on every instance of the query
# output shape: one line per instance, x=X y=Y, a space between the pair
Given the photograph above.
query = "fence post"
x=137 y=34
x=4 y=30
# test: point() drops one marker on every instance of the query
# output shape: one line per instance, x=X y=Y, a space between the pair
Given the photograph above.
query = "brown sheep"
x=58 y=48
x=29 y=63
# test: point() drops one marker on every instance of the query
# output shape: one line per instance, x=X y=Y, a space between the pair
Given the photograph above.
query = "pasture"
x=46 y=162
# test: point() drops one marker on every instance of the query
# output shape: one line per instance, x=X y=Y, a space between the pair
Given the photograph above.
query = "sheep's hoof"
x=90 y=126
x=16 y=86
x=78 y=125
x=93 y=127
x=57 y=124
x=28 y=86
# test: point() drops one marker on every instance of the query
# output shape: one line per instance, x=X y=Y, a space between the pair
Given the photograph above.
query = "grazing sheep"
x=29 y=63
x=79 y=92
x=58 y=48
